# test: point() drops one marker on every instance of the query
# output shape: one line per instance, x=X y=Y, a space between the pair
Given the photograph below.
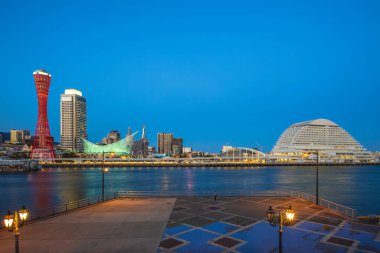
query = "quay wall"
x=188 y=165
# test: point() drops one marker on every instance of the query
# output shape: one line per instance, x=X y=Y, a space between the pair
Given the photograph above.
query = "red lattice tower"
x=43 y=142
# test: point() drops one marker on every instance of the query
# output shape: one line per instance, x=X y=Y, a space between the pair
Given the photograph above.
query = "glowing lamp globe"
x=290 y=214
x=270 y=214
x=8 y=220
x=23 y=214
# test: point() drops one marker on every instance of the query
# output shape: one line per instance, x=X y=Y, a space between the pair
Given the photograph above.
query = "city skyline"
x=238 y=75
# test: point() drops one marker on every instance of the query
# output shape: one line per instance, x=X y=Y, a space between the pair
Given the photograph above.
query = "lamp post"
x=317 y=181
x=14 y=222
x=104 y=170
x=284 y=218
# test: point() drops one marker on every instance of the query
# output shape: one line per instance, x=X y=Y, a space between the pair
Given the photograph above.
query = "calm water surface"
x=354 y=186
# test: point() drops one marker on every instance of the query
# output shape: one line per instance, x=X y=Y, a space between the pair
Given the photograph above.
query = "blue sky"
x=212 y=72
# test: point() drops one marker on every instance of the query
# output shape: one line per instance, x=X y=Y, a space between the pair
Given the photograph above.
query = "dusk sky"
x=212 y=72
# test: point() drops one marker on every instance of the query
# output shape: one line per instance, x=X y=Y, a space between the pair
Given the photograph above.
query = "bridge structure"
x=238 y=153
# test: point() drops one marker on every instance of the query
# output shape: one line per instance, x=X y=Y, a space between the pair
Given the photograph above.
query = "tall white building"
x=321 y=137
x=73 y=120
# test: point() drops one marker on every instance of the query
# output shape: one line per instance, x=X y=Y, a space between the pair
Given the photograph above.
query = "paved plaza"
x=194 y=224
x=239 y=225
x=126 y=225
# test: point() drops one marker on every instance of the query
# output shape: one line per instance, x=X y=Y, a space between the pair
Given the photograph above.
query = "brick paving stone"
x=178 y=216
x=197 y=211
x=179 y=208
x=363 y=227
x=324 y=220
x=316 y=207
x=240 y=221
x=182 y=203
x=213 y=208
x=340 y=241
x=197 y=221
x=170 y=243
x=216 y=215
x=331 y=214
x=227 y=242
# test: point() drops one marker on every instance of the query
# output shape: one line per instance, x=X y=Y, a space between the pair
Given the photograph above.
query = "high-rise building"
x=187 y=150
x=177 y=146
x=73 y=120
x=112 y=136
x=1 y=138
x=165 y=143
x=140 y=147
x=5 y=136
x=151 y=150
x=43 y=142
x=15 y=136
x=19 y=136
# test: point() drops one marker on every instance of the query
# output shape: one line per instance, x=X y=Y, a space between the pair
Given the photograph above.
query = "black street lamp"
x=104 y=170
x=317 y=181
x=284 y=218
x=14 y=222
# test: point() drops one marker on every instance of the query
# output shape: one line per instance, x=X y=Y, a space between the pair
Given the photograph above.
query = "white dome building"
x=304 y=141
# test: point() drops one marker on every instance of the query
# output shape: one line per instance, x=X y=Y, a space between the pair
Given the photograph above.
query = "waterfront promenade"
x=195 y=224
x=126 y=225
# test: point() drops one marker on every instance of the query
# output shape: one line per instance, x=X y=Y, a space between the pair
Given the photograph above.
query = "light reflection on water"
x=354 y=186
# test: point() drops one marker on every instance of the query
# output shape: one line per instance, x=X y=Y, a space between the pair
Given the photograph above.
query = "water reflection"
x=189 y=180
x=354 y=186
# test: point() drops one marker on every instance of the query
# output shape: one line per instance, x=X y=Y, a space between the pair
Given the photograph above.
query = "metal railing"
x=303 y=195
x=350 y=212
x=78 y=204
x=67 y=207
x=242 y=193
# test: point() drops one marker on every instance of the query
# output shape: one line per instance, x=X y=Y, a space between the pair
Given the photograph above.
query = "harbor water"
x=354 y=186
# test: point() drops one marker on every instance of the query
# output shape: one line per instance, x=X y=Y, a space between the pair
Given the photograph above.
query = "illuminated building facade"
x=112 y=136
x=165 y=143
x=177 y=146
x=43 y=142
x=140 y=147
x=121 y=147
x=73 y=120
x=19 y=136
x=321 y=137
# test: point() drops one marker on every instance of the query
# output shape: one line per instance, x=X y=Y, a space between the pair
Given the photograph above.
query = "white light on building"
x=322 y=137
x=73 y=120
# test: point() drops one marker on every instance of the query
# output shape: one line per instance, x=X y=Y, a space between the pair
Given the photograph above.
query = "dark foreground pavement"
x=126 y=225
x=194 y=224
x=239 y=225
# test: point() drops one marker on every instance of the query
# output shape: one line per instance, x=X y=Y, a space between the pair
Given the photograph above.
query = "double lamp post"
x=284 y=218
x=14 y=222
